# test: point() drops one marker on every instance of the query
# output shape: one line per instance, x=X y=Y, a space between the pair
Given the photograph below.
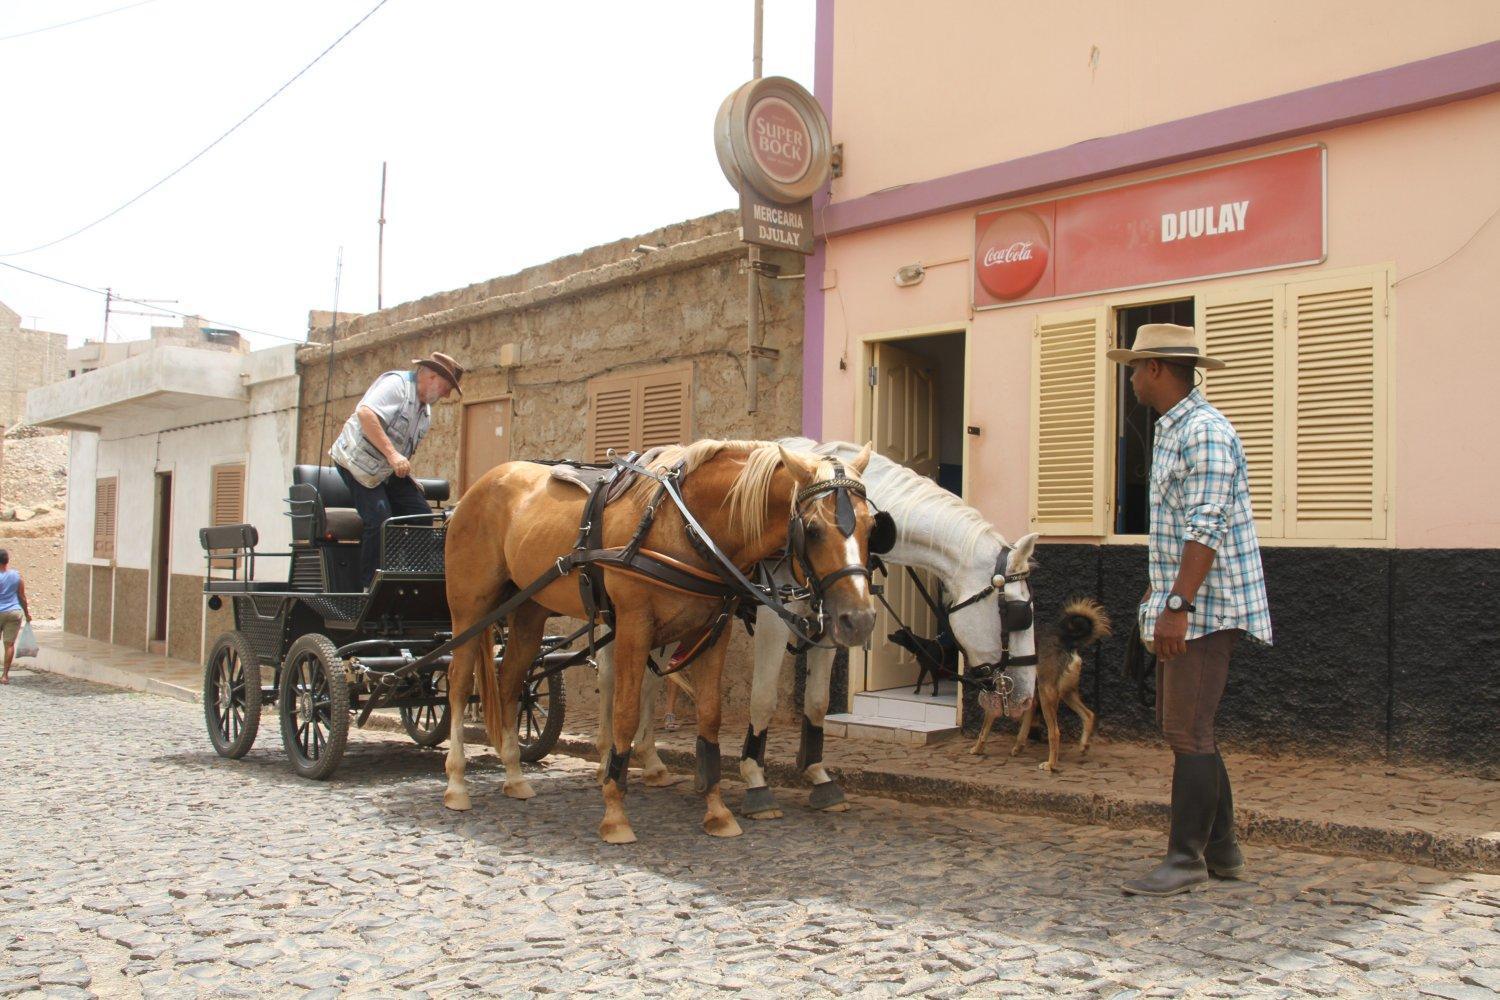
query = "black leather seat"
x=323 y=510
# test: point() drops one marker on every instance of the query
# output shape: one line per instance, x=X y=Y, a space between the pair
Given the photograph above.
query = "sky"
x=515 y=133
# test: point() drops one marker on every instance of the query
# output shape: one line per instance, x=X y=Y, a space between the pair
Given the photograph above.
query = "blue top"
x=10 y=581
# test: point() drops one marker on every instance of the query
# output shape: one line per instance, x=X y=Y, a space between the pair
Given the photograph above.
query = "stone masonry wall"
x=32 y=358
x=603 y=311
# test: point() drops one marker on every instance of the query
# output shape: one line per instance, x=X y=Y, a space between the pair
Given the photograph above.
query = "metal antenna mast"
x=380 y=247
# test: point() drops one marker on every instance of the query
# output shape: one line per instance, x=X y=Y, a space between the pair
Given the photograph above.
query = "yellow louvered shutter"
x=665 y=408
x=1336 y=337
x=1068 y=423
x=105 y=496
x=611 y=417
x=1242 y=327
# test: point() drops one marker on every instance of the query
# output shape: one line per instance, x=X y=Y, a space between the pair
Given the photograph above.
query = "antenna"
x=109 y=310
x=380 y=247
x=333 y=339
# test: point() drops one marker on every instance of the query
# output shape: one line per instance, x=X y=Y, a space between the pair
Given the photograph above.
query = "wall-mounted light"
x=909 y=274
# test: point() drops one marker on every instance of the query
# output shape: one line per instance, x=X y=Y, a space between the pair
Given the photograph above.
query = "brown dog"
x=1059 y=664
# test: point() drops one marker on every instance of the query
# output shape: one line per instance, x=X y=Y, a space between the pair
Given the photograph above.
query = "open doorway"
x=1135 y=423
x=161 y=562
x=917 y=418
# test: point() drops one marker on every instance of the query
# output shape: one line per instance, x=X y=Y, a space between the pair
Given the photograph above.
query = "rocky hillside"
x=33 y=501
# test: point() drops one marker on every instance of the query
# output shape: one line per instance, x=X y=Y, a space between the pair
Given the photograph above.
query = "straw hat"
x=444 y=366
x=1164 y=342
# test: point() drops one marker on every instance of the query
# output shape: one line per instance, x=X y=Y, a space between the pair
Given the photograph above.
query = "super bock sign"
x=774 y=147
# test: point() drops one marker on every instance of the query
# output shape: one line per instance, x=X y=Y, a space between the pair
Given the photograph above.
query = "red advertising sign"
x=780 y=140
x=1247 y=216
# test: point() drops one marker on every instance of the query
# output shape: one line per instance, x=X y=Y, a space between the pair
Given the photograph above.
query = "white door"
x=904 y=414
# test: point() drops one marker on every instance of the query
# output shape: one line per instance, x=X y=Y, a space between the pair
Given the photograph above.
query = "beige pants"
x=10 y=625
x=1188 y=689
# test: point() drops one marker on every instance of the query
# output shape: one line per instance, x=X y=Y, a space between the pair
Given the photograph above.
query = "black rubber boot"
x=1195 y=798
x=1223 y=855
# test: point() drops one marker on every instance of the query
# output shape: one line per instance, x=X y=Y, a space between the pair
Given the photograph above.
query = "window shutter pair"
x=1304 y=386
x=635 y=412
x=105 y=494
x=227 y=501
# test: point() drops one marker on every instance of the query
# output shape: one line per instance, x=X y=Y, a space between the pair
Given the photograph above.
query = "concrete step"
x=902 y=704
x=908 y=732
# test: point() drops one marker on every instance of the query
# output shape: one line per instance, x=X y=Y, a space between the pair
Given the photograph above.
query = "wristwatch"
x=1176 y=602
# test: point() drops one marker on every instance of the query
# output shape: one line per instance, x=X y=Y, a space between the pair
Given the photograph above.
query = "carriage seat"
x=322 y=509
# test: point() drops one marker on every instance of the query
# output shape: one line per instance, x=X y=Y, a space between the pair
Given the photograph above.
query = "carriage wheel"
x=314 y=700
x=540 y=716
x=231 y=695
x=428 y=725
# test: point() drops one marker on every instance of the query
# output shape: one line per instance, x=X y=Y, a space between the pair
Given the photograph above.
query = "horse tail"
x=483 y=647
x=1084 y=622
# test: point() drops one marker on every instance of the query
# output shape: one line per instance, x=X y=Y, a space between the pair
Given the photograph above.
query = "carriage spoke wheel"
x=314 y=699
x=539 y=718
x=427 y=725
x=231 y=696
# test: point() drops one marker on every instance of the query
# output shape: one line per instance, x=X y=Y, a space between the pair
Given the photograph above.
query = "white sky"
x=515 y=133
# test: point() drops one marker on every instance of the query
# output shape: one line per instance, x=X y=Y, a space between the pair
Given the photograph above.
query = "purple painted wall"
x=812 y=303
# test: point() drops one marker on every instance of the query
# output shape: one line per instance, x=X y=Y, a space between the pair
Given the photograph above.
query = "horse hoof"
x=616 y=833
x=457 y=801
x=519 y=789
x=661 y=778
x=721 y=825
x=765 y=814
x=827 y=797
x=837 y=807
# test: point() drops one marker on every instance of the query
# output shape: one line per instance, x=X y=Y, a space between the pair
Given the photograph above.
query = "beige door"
x=486 y=439
x=904 y=414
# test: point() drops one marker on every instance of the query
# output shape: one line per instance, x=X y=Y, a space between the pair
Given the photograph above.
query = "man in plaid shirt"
x=1207 y=590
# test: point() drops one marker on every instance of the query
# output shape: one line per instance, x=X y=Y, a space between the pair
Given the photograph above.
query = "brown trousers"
x=1188 y=689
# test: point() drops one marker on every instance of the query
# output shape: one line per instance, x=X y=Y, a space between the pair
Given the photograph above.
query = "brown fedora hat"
x=1164 y=342
x=444 y=366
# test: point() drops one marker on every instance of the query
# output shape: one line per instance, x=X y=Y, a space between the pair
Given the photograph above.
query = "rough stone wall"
x=101 y=603
x=132 y=607
x=76 y=599
x=32 y=358
x=185 y=617
x=606 y=310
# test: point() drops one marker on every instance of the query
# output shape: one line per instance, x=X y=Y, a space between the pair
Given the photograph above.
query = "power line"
x=198 y=155
x=76 y=20
x=150 y=305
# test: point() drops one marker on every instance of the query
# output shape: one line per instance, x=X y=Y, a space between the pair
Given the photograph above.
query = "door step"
x=157 y=646
x=898 y=716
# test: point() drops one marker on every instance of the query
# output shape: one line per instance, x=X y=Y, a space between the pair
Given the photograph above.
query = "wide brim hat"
x=444 y=366
x=1165 y=342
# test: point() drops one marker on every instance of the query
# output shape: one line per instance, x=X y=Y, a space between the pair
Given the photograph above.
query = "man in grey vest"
x=373 y=452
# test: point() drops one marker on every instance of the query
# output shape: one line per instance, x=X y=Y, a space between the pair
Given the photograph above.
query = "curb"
x=1446 y=852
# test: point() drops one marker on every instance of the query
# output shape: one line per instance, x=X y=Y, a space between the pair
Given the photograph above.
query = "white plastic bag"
x=26 y=642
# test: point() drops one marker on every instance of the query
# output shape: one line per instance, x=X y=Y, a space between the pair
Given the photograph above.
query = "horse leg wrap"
x=755 y=746
x=708 y=765
x=810 y=752
x=616 y=768
x=758 y=800
x=829 y=793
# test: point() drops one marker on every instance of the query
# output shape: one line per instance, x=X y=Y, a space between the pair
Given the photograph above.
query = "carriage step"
x=883 y=729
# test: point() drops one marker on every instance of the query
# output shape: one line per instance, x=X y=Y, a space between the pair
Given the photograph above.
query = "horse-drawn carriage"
x=320 y=648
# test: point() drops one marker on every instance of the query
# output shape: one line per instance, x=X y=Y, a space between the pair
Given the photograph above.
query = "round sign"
x=779 y=141
x=1012 y=254
x=772 y=136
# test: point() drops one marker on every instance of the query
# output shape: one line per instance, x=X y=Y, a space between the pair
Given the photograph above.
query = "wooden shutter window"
x=1337 y=334
x=227 y=502
x=1242 y=328
x=105 y=495
x=1068 y=408
x=639 y=411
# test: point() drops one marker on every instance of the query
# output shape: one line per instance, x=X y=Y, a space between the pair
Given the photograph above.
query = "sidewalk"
x=1417 y=815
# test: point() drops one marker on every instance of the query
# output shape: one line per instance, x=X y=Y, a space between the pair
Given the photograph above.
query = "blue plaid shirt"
x=1200 y=492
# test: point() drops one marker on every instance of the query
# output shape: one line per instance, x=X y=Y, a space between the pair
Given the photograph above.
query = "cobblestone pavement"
x=135 y=862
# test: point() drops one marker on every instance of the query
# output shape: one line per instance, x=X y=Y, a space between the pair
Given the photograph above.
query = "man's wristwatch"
x=1176 y=602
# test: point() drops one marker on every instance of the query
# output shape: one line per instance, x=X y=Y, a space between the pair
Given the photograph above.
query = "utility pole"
x=380 y=247
x=752 y=324
x=109 y=299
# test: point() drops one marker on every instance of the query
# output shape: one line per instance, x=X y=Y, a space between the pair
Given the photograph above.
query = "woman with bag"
x=14 y=610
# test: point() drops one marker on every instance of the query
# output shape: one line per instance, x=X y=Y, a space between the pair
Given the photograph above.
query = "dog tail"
x=1084 y=622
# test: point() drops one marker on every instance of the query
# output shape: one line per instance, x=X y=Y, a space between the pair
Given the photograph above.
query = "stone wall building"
x=32 y=358
x=547 y=347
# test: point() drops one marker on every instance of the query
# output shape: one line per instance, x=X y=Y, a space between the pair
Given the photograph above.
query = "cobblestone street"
x=136 y=862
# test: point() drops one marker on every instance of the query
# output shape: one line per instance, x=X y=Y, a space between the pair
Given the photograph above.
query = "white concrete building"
x=164 y=443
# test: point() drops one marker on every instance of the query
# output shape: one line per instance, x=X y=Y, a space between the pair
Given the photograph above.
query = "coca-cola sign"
x=1013 y=253
x=1250 y=215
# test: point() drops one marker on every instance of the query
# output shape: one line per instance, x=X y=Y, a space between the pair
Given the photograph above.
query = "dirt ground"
x=34 y=480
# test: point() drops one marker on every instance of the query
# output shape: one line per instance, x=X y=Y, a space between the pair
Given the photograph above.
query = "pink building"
x=1314 y=188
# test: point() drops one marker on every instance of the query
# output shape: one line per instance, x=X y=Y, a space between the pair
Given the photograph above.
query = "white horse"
x=935 y=531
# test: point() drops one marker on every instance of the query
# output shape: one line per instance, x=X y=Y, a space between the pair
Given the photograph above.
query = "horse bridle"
x=1015 y=616
x=844 y=488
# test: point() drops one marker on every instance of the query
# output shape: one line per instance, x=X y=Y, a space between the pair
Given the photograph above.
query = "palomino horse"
x=517 y=521
x=935 y=531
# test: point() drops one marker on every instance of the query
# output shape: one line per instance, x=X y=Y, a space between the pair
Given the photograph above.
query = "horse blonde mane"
x=750 y=493
x=920 y=506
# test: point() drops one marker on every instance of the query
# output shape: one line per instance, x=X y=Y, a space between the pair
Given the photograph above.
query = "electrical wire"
x=198 y=155
x=1471 y=239
x=150 y=305
x=76 y=20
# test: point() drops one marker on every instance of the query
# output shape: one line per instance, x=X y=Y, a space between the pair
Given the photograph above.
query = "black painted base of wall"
x=1383 y=654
